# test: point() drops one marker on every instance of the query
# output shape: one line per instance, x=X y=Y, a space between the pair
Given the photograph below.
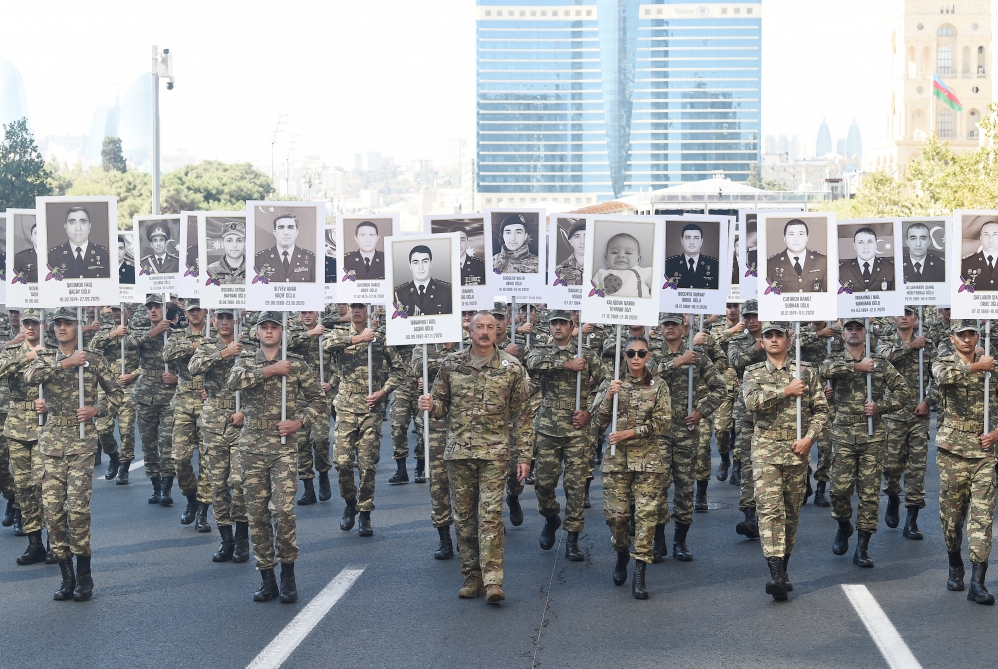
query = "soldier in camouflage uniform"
x=722 y=332
x=634 y=468
x=818 y=340
x=359 y=413
x=220 y=425
x=404 y=412
x=680 y=443
x=12 y=512
x=779 y=458
x=67 y=464
x=480 y=389
x=269 y=466
x=744 y=350
x=186 y=405
x=153 y=394
x=565 y=434
x=965 y=456
x=305 y=339
x=908 y=429
x=858 y=456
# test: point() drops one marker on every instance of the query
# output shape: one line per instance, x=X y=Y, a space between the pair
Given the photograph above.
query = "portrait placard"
x=476 y=283
x=360 y=255
x=222 y=252
x=625 y=258
x=734 y=243
x=800 y=277
x=926 y=256
x=285 y=239
x=22 y=269
x=567 y=244
x=76 y=235
x=870 y=272
x=188 y=284
x=516 y=246
x=159 y=254
x=330 y=263
x=425 y=308
x=974 y=240
x=696 y=248
x=128 y=254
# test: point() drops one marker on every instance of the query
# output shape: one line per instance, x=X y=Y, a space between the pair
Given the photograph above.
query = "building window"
x=945 y=123
x=944 y=31
x=944 y=60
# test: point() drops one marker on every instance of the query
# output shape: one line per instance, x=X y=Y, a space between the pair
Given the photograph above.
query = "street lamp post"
x=162 y=67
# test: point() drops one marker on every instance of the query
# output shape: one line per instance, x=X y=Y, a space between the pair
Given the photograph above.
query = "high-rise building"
x=823 y=145
x=769 y=145
x=854 y=142
x=840 y=147
x=13 y=104
x=585 y=102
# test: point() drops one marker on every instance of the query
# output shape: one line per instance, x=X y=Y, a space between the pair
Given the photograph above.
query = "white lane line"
x=884 y=634
x=278 y=650
x=138 y=464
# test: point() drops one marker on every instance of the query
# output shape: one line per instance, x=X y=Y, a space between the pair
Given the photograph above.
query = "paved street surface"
x=160 y=602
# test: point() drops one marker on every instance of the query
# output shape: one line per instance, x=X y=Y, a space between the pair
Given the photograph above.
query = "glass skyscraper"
x=579 y=103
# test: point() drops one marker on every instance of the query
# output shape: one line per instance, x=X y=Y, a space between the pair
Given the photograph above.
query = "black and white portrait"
x=623 y=258
x=285 y=241
x=422 y=271
x=159 y=241
x=191 y=261
x=364 y=247
x=330 y=247
x=472 y=251
x=78 y=237
x=126 y=259
x=26 y=247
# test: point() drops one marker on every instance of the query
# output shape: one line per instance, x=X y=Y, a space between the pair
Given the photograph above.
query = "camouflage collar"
x=788 y=365
x=646 y=380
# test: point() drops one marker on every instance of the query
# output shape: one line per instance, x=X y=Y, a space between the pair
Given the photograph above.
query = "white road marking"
x=884 y=634
x=278 y=650
x=138 y=464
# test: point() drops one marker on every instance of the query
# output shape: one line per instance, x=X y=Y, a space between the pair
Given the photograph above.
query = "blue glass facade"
x=614 y=96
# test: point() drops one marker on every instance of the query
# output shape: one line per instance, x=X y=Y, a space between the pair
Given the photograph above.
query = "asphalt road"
x=160 y=602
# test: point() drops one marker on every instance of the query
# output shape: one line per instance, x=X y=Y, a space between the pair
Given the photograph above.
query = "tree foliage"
x=212 y=185
x=111 y=157
x=23 y=175
x=132 y=188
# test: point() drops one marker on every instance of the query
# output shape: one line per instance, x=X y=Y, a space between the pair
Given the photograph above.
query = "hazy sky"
x=395 y=76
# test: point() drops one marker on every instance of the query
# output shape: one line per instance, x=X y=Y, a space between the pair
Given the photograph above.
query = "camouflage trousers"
x=126 y=426
x=404 y=411
x=476 y=488
x=619 y=489
x=553 y=455
x=67 y=482
x=679 y=451
x=313 y=451
x=224 y=471
x=7 y=486
x=723 y=423
x=269 y=487
x=907 y=453
x=779 y=495
x=967 y=495
x=440 y=492
x=859 y=466
x=824 y=457
x=156 y=432
x=187 y=437
x=744 y=428
x=27 y=465
x=357 y=440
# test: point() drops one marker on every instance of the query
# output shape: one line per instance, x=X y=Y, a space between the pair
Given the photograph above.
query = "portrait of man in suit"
x=285 y=261
x=423 y=295
x=126 y=270
x=980 y=267
x=921 y=265
x=160 y=261
x=867 y=272
x=797 y=269
x=694 y=269
x=367 y=262
x=80 y=257
x=26 y=261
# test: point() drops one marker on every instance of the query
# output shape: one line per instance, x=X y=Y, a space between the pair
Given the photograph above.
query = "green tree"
x=23 y=175
x=111 y=158
x=213 y=185
x=132 y=188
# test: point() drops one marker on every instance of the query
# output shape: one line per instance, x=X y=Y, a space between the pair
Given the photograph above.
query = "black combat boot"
x=658 y=549
x=401 y=475
x=786 y=582
x=911 y=530
x=49 y=558
x=892 y=516
x=809 y=490
x=956 y=572
x=700 y=498
x=112 y=466
x=598 y=457
x=638 y=588
x=572 y=551
x=8 y=513
x=65 y=592
x=201 y=523
x=420 y=472
x=307 y=497
x=349 y=515
x=841 y=544
x=978 y=591
x=749 y=527
x=515 y=512
x=35 y=552
x=679 y=549
x=862 y=555
x=445 y=551
x=268 y=588
x=289 y=589
x=365 y=529
x=631 y=527
x=550 y=531
x=166 y=498
x=531 y=479
x=240 y=551
x=586 y=504
x=324 y=491
x=18 y=524
x=123 y=472
x=723 y=467
x=736 y=473
x=620 y=569
x=97 y=458
x=819 y=495
x=187 y=517
x=777 y=586
x=84 y=582
x=224 y=553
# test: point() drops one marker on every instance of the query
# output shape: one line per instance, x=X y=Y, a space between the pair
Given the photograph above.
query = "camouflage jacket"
x=6 y=334
x=709 y=389
x=742 y=352
x=22 y=419
x=889 y=391
x=962 y=401
x=208 y=363
x=61 y=433
x=814 y=349
x=178 y=352
x=387 y=371
x=408 y=388
x=484 y=402
x=545 y=364
x=721 y=333
x=110 y=348
x=775 y=414
x=149 y=387
x=261 y=400
x=905 y=361
x=435 y=355
x=300 y=343
x=643 y=405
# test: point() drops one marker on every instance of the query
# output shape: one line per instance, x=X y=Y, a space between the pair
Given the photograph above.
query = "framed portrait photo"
x=696 y=250
x=21 y=258
x=515 y=244
x=567 y=244
x=870 y=268
x=925 y=257
x=425 y=307
x=360 y=254
x=159 y=253
x=798 y=281
x=285 y=239
x=330 y=263
x=221 y=243
x=974 y=293
x=476 y=284
x=187 y=283
x=128 y=256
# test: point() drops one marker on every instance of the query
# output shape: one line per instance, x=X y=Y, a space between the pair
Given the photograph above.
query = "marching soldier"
x=744 y=350
x=814 y=348
x=722 y=332
x=403 y=413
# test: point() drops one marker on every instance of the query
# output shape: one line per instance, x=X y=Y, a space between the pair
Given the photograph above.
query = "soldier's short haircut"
x=693 y=227
x=988 y=223
x=483 y=312
x=366 y=224
x=916 y=226
x=172 y=310
x=795 y=221
x=460 y=228
x=73 y=210
x=422 y=248
x=283 y=215
x=868 y=231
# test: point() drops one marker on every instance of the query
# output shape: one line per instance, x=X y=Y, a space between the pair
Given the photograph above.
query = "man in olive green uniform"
x=744 y=350
x=722 y=332
x=67 y=463
x=305 y=339
x=12 y=512
x=269 y=466
x=818 y=340
x=858 y=452
x=404 y=412
x=481 y=388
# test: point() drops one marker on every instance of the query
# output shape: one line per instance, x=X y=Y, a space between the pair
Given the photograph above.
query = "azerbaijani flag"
x=942 y=91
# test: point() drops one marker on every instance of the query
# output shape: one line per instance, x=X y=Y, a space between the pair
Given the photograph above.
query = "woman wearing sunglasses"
x=636 y=469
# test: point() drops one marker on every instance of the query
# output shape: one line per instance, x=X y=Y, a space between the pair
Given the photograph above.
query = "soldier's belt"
x=222 y=404
x=65 y=421
x=965 y=425
x=27 y=406
x=781 y=435
x=264 y=424
x=850 y=418
x=557 y=404
x=191 y=385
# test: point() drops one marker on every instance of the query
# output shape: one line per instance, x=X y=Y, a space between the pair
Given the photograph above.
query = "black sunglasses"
x=641 y=353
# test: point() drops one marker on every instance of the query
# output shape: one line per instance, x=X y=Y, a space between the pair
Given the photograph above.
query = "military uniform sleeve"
x=396 y=369
x=837 y=368
x=100 y=340
x=114 y=396
x=603 y=404
x=136 y=338
x=662 y=415
x=898 y=394
x=441 y=392
x=948 y=372
x=177 y=347
x=205 y=357
x=337 y=340
x=45 y=366
x=716 y=390
x=892 y=351
x=12 y=361
x=740 y=358
x=523 y=421
x=543 y=359
x=597 y=375
x=311 y=398
x=245 y=374
x=716 y=354
x=760 y=396
x=818 y=405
